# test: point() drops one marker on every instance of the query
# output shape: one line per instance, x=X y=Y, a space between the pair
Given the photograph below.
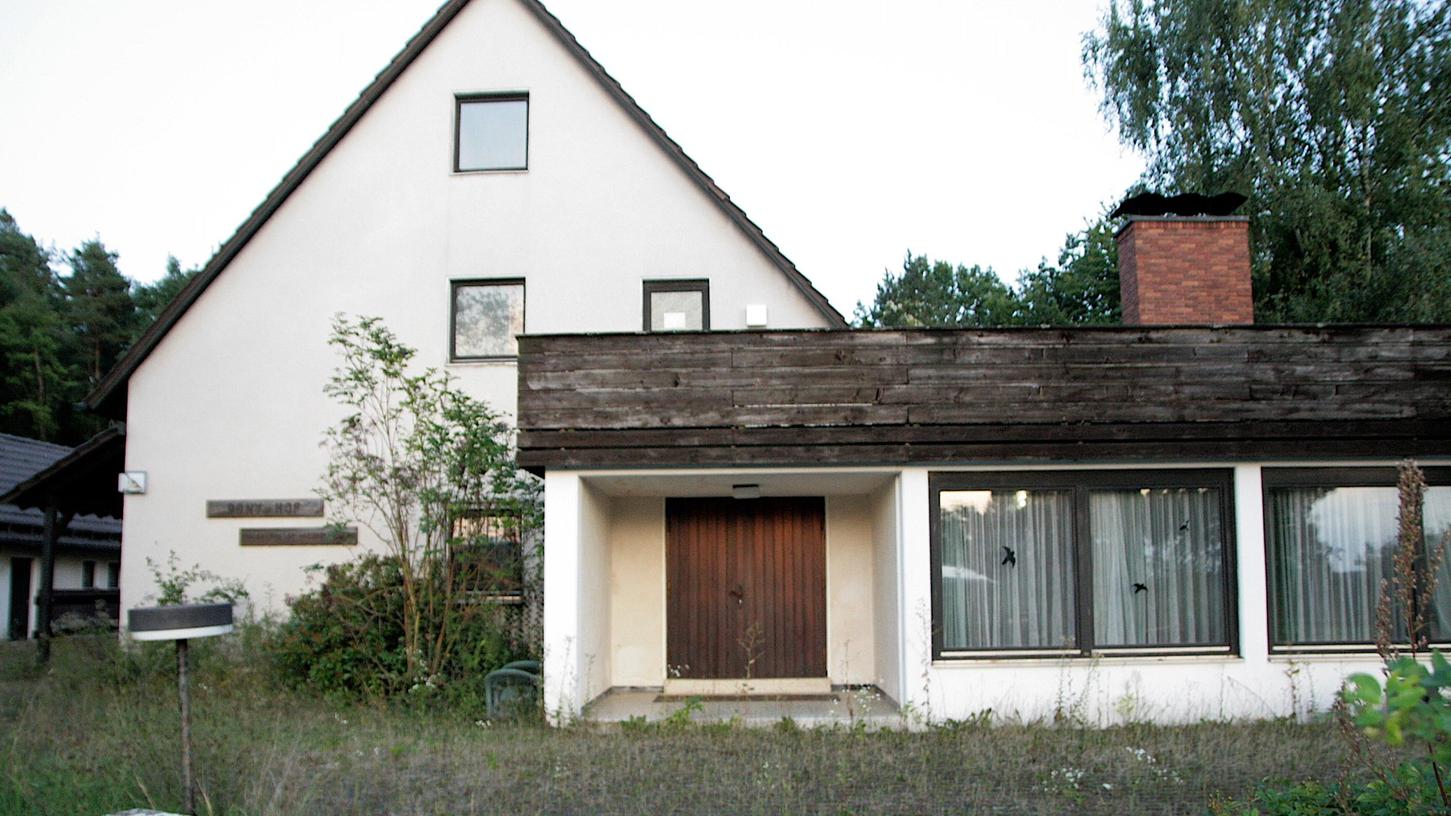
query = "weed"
x=683 y=716
x=264 y=748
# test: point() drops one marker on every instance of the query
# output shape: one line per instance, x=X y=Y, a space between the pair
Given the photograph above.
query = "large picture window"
x=1330 y=536
x=1081 y=562
x=487 y=318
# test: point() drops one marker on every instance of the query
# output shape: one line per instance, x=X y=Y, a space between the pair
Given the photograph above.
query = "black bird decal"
x=1009 y=557
x=1138 y=587
x=1185 y=526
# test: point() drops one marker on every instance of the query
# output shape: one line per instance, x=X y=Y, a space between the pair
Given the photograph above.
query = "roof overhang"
x=82 y=482
x=859 y=398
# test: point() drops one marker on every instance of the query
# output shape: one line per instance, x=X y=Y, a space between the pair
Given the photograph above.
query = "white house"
x=492 y=180
x=741 y=494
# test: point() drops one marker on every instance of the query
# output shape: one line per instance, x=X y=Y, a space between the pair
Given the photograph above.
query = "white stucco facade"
x=229 y=405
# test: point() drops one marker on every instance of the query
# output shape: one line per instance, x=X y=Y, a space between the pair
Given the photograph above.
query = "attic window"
x=491 y=133
x=677 y=305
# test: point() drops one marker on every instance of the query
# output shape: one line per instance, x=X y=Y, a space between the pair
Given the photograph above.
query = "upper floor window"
x=113 y=574
x=1078 y=562
x=1330 y=539
x=488 y=316
x=491 y=133
x=677 y=305
x=88 y=575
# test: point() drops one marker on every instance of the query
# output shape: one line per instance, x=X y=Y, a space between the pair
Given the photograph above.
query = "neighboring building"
x=1155 y=522
x=492 y=180
x=1162 y=522
x=88 y=552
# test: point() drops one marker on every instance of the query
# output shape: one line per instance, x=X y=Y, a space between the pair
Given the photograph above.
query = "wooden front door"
x=745 y=587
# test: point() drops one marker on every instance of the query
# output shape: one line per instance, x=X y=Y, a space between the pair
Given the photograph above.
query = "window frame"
x=88 y=574
x=1080 y=483
x=453 y=287
x=495 y=596
x=113 y=575
x=459 y=100
x=1331 y=477
x=701 y=285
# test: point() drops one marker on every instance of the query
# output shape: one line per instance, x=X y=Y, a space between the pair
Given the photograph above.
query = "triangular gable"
x=109 y=395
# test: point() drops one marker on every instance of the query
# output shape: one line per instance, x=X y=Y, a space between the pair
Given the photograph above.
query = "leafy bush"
x=1402 y=794
x=1410 y=708
x=345 y=639
x=176 y=586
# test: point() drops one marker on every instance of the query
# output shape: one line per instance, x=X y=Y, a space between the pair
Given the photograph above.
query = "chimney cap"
x=1187 y=204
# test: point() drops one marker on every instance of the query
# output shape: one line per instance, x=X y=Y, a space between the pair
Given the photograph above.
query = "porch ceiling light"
x=746 y=491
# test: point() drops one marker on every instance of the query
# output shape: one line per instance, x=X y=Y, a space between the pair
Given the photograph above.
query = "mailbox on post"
x=181 y=623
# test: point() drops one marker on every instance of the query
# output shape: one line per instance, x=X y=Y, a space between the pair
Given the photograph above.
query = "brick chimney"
x=1185 y=269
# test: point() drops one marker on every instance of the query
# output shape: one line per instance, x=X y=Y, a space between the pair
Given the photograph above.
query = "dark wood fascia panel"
x=1132 y=445
x=885 y=397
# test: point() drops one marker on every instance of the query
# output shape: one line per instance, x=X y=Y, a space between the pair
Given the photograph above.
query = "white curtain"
x=1158 y=567
x=1007 y=569
x=1330 y=548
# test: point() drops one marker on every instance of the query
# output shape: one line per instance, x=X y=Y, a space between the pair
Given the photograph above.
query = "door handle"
x=738 y=595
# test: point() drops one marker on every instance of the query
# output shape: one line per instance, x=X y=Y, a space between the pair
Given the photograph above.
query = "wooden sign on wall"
x=297 y=536
x=264 y=508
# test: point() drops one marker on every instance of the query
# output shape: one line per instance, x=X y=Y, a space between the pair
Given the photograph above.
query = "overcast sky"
x=850 y=131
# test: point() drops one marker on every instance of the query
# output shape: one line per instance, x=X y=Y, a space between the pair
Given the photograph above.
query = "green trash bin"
x=512 y=689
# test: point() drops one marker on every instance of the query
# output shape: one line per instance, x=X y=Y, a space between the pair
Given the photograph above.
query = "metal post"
x=188 y=794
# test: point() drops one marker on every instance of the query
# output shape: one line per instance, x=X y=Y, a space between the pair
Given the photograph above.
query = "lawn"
x=96 y=733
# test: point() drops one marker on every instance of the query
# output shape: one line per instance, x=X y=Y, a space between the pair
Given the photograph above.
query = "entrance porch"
x=858 y=705
x=663 y=586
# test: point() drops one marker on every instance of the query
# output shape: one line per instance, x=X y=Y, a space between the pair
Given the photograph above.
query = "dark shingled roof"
x=22 y=459
x=109 y=396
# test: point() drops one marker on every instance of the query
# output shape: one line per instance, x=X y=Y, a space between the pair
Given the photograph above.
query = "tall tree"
x=98 y=308
x=151 y=298
x=936 y=293
x=1333 y=116
x=33 y=385
x=1082 y=288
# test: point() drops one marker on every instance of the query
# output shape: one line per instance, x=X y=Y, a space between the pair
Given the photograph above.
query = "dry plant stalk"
x=1414 y=570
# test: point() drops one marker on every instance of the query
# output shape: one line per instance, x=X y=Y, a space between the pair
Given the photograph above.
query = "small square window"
x=488 y=316
x=677 y=305
x=492 y=133
x=486 y=555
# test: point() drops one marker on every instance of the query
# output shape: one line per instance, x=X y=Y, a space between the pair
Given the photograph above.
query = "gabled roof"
x=81 y=480
x=23 y=462
x=109 y=395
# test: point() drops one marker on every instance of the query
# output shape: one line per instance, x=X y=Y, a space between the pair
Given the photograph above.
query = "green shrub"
x=345 y=639
x=1406 y=791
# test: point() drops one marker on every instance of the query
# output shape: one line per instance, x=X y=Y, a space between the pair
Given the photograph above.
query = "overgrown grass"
x=97 y=732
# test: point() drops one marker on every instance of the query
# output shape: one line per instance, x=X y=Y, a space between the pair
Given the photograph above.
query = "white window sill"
x=490 y=361
x=1077 y=661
